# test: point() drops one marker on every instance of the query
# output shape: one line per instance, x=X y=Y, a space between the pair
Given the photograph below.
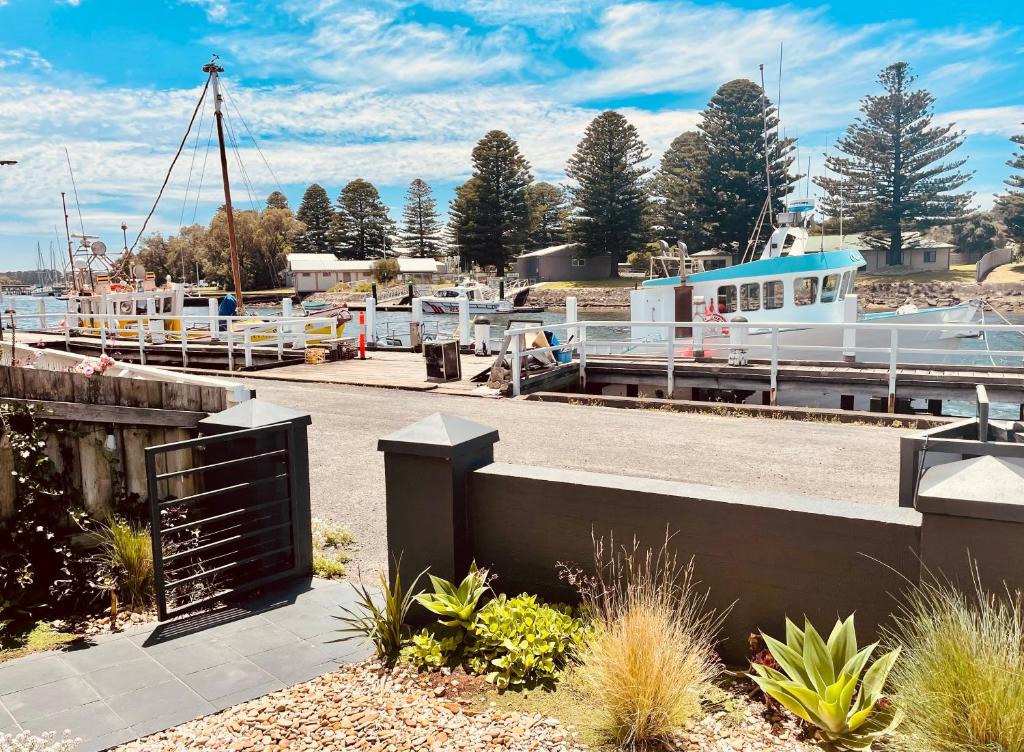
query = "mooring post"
x=698 y=326
x=371 y=320
x=212 y=311
x=773 y=398
x=583 y=356
x=517 y=365
x=850 y=334
x=362 y=335
x=571 y=317
x=893 y=359
x=427 y=467
x=464 y=334
x=670 y=360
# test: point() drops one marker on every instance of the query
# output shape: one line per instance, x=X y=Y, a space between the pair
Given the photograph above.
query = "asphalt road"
x=857 y=463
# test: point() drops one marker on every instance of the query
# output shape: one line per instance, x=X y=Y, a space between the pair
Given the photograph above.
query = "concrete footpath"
x=123 y=686
x=848 y=462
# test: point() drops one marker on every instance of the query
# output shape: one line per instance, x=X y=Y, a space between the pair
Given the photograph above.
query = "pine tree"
x=491 y=218
x=549 y=214
x=890 y=177
x=315 y=212
x=735 y=186
x=421 y=230
x=609 y=197
x=678 y=210
x=975 y=235
x=362 y=228
x=277 y=200
x=1010 y=206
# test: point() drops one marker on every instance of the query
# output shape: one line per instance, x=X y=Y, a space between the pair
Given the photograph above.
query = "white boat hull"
x=451 y=306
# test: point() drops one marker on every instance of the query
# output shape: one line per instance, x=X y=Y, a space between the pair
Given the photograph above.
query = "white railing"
x=240 y=334
x=709 y=340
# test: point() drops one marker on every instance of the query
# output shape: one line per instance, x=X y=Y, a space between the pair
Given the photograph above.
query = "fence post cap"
x=439 y=435
x=253 y=413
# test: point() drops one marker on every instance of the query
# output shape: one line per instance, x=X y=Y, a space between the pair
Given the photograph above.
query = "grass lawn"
x=592 y=283
x=1013 y=273
x=960 y=273
x=31 y=638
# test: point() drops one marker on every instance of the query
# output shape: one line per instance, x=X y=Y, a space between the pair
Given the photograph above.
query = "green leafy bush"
x=329 y=549
x=457 y=606
x=639 y=261
x=521 y=641
x=961 y=676
x=428 y=652
x=819 y=683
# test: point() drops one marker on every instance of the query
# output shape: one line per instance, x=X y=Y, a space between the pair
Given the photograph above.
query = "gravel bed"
x=361 y=708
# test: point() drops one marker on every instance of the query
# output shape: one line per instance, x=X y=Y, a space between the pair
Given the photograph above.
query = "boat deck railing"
x=733 y=339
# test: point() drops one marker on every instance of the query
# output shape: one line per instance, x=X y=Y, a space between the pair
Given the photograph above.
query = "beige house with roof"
x=317 y=272
x=926 y=256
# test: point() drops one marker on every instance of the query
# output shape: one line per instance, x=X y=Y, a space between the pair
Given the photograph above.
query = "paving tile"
x=128 y=676
x=104 y=655
x=305 y=622
x=168 y=720
x=21 y=674
x=188 y=659
x=39 y=702
x=7 y=723
x=154 y=702
x=87 y=721
x=244 y=695
x=223 y=680
x=259 y=639
x=293 y=664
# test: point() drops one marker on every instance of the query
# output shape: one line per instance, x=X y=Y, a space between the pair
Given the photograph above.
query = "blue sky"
x=391 y=90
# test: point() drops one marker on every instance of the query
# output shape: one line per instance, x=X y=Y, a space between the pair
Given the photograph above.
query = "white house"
x=317 y=272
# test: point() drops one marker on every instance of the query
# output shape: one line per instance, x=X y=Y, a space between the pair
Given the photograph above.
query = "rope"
x=167 y=177
x=254 y=143
x=192 y=164
x=241 y=166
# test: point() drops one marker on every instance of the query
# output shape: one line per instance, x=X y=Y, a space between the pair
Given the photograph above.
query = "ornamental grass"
x=960 y=677
x=650 y=660
x=126 y=561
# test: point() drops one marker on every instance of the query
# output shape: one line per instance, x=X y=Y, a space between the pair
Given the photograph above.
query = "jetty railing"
x=715 y=339
x=240 y=334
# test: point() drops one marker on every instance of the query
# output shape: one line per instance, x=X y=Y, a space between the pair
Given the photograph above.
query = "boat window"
x=829 y=288
x=774 y=295
x=853 y=281
x=750 y=297
x=805 y=290
x=844 y=286
x=727 y=299
x=787 y=245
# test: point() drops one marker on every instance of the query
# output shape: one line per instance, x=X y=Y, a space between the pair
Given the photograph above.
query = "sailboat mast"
x=213 y=69
x=71 y=277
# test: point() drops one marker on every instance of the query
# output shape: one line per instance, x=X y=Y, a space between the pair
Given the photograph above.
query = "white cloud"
x=216 y=10
x=987 y=121
x=23 y=59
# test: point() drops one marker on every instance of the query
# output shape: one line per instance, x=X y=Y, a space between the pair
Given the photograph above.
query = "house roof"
x=328 y=262
x=554 y=250
x=854 y=241
x=712 y=253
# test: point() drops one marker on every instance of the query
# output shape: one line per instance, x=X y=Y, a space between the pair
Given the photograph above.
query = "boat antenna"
x=767 y=156
x=778 y=102
x=825 y=171
x=214 y=70
x=74 y=187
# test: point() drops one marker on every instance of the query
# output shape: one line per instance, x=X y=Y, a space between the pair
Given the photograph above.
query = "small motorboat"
x=314 y=305
x=482 y=299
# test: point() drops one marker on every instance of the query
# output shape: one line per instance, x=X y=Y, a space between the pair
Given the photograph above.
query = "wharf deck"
x=1004 y=384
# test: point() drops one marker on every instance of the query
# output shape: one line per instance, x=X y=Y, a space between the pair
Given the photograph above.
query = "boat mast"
x=71 y=279
x=213 y=69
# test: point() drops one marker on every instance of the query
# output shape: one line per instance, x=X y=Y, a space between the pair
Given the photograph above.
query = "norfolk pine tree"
x=421 y=230
x=490 y=217
x=362 y=228
x=890 y=177
x=549 y=213
x=315 y=212
x=734 y=187
x=1010 y=206
x=277 y=200
x=609 y=197
x=678 y=207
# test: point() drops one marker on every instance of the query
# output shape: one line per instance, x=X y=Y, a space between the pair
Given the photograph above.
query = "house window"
x=727 y=299
x=829 y=288
x=579 y=261
x=774 y=295
x=929 y=257
x=805 y=290
x=750 y=297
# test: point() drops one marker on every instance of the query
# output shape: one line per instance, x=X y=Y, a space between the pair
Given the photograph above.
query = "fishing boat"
x=482 y=299
x=787 y=283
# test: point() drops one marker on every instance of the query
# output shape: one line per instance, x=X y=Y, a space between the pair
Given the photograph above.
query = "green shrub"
x=961 y=676
x=457 y=606
x=428 y=652
x=125 y=562
x=639 y=261
x=382 y=626
x=819 y=683
x=521 y=641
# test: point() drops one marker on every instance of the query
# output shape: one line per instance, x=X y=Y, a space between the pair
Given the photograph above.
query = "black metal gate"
x=222 y=515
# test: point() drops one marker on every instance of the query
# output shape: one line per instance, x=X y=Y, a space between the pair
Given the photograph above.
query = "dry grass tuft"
x=651 y=659
x=126 y=561
x=960 y=678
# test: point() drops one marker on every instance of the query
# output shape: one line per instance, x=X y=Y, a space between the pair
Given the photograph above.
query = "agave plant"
x=819 y=683
x=456 y=605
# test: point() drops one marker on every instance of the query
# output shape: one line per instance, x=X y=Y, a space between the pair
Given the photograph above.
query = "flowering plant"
x=90 y=368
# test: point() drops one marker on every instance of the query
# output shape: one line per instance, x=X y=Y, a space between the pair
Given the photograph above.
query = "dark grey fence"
x=229 y=512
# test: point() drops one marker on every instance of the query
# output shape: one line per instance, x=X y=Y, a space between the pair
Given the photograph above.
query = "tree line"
x=892 y=176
